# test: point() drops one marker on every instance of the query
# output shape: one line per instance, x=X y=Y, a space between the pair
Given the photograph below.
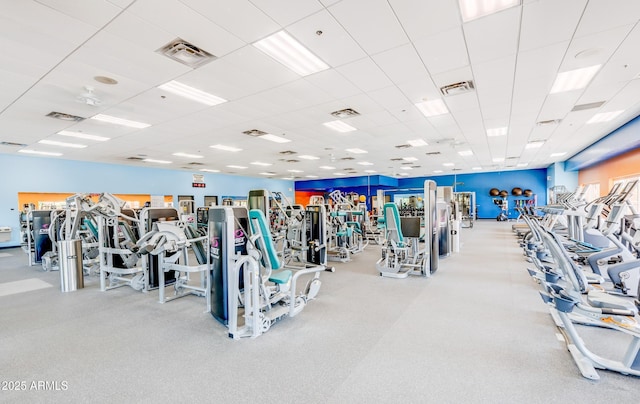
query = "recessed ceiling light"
x=558 y=154
x=81 y=135
x=120 y=121
x=63 y=144
x=339 y=126
x=295 y=171
x=307 y=157
x=235 y=166
x=187 y=155
x=404 y=174
x=287 y=178
x=417 y=143
x=156 y=161
x=498 y=159
x=437 y=171
x=406 y=168
x=465 y=153
x=369 y=171
x=493 y=132
x=43 y=153
x=327 y=168
x=191 y=93
x=604 y=116
x=208 y=170
x=522 y=164
x=534 y=144
x=311 y=176
x=267 y=173
x=448 y=164
x=410 y=159
x=574 y=79
x=259 y=163
x=274 y=138
x=473 y=9
x=225 y=148
x=432 y=108
x=476 y=168
x=356 y=151
x=340 y=174
x=365 y=163
x=282 y=47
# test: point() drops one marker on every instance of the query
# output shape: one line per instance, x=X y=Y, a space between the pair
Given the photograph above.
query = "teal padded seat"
x=392 y=221
x=259 y=226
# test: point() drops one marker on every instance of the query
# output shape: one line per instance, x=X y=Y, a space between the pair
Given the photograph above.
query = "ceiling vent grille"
x=287 y=152
x=403 y=146
x=195 y=163
x=345 y=113
x=457 y=88
x=397 y=159
x=65 y=117
x=254 y=132
x=347 y=158
x=433 y=153
x=13 y=144
x=590 y=105
x=548 y=122
x=186 y=53
x=135 y=158
x=292 y=161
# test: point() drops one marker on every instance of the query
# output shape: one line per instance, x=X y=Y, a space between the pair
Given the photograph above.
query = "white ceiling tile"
x=133 y=29
x=594 y=49
x=556 y=106
x=426 y=17
x=366 y=31
x=494 y=80
x=545 y=22
x=401 y=64
x=96 y=12
x=240 y=17
x=335 y=46
x=333 y=83
x=444 y=51
x=286 y=12
x=365 y=75
x=493 y=37
x=601 y=15
x=391 y=98
x=183 y=22
x=419 y=90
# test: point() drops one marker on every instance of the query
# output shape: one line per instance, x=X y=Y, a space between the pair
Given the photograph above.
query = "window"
x=634 y=195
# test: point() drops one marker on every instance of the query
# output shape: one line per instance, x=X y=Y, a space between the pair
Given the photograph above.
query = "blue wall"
x=558 y=176
x=34 y=174
x=480 y=183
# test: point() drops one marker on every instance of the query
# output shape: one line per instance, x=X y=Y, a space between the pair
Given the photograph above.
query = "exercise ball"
x=494 y=192
x=516 y=191
x=504 y=193
x=363 y=198
x=527 y=192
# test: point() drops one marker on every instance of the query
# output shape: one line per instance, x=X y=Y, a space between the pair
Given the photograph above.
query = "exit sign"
x=198 y=185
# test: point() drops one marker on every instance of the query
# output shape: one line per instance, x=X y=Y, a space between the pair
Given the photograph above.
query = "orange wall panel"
x=620 y=166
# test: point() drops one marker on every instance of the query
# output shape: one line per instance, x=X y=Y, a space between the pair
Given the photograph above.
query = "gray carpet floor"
x=475 y=332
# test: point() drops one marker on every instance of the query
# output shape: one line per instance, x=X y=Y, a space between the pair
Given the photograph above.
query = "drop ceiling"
x=384 y=57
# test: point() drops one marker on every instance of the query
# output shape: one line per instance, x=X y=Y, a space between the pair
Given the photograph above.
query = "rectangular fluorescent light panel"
x=476 y=168
x=365 y=163
x=267 y=173
x=432 y=108
x=448 y=164
x=191 y=93
x=498 y=159
x=493 y=132
x=225 y=148
x=437 y=171
x=534 y=145
x=43 y=153
x=308 y=157
x=406 y=168
x=522 y=164
x=208 y=170
x=574 y=79
x=63 y=144
x=473 y=9
x=295 y=171
x=81 y=135
x=410 y=159
x=187 y=155
x=339 y=174
x=259 y=163
x=282 y=47
x=356 y=151
x=156 y=161
x=604 y=117
x=369 y=171
x=311 y=176
x=238 y=167
x=339 y=126
x=120 y=121
x=465 y=153
x=417 y=143
x=327 y=168
x=558 y=154
x=274 y=138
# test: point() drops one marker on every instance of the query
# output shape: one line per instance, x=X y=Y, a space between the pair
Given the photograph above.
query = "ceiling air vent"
x=135 y=158
x=345 y=113
x=432 y=153
x=254 y=132
x=403 y=146
x=195 y=163
x=397 y=159
x=65 y=117
x=13 y=144
x=186 y=53
x=548 y=122
x=590 y=105
x=457 y=88
x=288 y=152
x=292 y=161
x=416 y=166
x=347 y=158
